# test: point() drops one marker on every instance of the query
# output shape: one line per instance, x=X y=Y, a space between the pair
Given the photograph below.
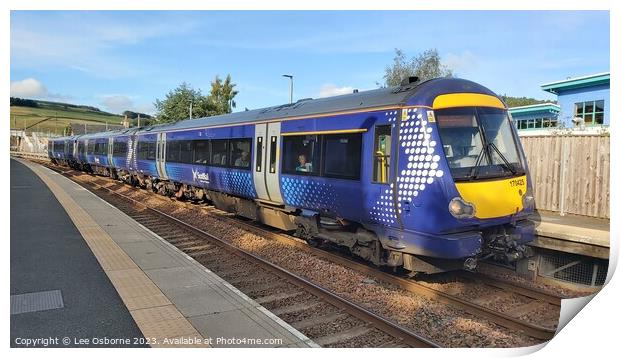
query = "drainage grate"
x=36 y=301
x=572 y=268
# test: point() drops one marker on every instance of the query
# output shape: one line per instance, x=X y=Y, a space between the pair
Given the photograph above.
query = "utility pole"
x=138 y=120
x=290 y=77
x=191 y=105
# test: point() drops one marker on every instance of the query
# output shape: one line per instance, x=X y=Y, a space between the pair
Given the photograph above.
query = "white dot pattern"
x=421 y=163
x=307 y=193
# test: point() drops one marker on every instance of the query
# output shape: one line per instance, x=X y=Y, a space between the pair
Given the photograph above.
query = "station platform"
x=573 y=233
x=114 y=278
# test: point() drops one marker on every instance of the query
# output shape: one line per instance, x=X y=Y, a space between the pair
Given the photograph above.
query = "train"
x=425 y=177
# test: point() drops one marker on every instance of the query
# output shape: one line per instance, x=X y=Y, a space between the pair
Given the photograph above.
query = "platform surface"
x=48 y=254
x=574 y=228
x=168 y=294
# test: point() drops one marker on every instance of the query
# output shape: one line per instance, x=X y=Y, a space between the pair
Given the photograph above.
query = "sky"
x=124 y=60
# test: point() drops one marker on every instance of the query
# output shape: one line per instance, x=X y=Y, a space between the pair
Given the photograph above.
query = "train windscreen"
x=478 y=143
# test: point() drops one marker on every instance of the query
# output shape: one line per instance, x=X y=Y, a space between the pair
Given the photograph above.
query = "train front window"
x=478 y=142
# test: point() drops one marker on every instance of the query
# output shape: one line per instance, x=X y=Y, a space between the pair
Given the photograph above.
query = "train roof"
x=423 y=92
x=382 y=97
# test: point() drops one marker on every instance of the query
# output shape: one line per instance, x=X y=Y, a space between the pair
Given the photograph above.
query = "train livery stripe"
x=466 y=100
x=494 y=198
x=336 y=131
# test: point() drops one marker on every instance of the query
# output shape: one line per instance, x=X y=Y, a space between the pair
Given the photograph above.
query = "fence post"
x=563 y=155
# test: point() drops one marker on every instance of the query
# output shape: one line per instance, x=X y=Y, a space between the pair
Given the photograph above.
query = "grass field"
x=59 y=117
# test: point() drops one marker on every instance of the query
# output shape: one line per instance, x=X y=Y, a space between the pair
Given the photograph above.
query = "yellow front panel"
x=494 y=198
x=452 y=100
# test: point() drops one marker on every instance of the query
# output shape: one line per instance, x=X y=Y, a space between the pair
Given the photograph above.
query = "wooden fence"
x=570 y=173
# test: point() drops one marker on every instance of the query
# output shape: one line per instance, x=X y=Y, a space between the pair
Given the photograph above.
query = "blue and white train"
x=426 y=176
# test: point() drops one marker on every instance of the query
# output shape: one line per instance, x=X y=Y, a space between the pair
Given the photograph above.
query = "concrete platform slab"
x=573 y=234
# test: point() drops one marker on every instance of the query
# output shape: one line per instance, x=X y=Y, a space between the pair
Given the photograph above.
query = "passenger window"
x=119 y=149
x=240 y=153
x=382 y=154
x=186 y=151
x=342 y=156
x=172 y=151
x=259 y=154
x=301 y=155
x=219 y=151
x=91 y=147
x=201 y=152
x=150 y=155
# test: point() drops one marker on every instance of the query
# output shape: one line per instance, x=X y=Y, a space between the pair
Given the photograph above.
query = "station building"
x=536 y=116
x=583 y=102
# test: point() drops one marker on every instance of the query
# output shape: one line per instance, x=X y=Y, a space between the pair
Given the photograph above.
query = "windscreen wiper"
x=473 y=173
x=508 y=164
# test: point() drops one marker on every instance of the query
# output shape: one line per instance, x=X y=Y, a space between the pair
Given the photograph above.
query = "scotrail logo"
x=200 y=177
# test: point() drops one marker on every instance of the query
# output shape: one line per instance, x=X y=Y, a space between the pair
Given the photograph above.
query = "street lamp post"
x=191 y=104
x=290 y=77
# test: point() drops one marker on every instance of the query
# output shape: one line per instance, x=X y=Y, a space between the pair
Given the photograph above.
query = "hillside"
x=25 y=113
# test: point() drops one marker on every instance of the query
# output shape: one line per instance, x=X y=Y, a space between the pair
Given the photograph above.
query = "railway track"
x=525 y=300
x=328 y=319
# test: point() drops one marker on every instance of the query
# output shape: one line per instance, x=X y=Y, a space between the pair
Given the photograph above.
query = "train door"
x=75 y=150
x=161 y=155
x=260 y=161
x=266 y=164
x=110 y=151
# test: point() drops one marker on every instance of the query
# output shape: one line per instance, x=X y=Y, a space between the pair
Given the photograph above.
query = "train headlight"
x=528 y=201
x=461 y=209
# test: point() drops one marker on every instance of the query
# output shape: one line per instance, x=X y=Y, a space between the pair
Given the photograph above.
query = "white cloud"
x=120 y=103
x=117 y=104
x=461 y=63
x=329 y=90
x=28 y=88
x=91 y=42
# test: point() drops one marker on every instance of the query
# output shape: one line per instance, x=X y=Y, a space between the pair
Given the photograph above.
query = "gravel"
x=439 y=322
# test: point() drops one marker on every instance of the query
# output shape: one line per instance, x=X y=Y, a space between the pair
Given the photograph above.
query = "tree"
x=175 y=106
x=426 y=65
x=522 y=101
x=222 y=95
x=134 y=115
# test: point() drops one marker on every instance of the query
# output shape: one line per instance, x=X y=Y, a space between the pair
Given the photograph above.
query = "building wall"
x=567 y=100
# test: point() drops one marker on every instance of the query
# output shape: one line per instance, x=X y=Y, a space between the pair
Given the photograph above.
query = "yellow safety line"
x=153 y=313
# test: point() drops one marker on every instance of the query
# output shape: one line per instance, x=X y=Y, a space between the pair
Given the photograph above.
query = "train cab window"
x=301 y=155
x=201 y=152
x=219 y=152
x=186 y=152
x=342 y=156
x=119 y=149
x=240 y=153
x=382 y=154
x=172 y=151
